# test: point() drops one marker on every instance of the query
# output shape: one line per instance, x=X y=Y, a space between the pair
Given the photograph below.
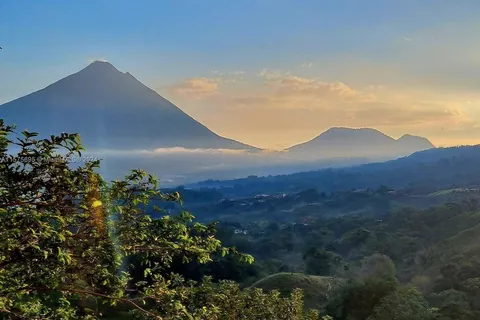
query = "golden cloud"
x=342 y=104
x=195 y=88
x=299 y=92
x=286 y=109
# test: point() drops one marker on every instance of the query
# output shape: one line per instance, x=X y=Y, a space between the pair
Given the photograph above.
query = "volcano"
x=111 y=109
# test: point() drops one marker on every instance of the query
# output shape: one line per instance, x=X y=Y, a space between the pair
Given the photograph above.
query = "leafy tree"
x=361 y=297
x=65 y=235
x=403 y=304
x=378 y=266
x=363 y=293
x=321 y=262
x=452 y=304
x=471 y=288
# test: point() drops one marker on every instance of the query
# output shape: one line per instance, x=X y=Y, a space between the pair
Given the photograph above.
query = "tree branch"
x=125 y=300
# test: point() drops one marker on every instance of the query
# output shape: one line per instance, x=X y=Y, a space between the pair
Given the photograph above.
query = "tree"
x=65 y=235
x=361 y=297
x=321 y=262
x=379 y=266
x=363 y=293
x=403 y=304
x=453 y=304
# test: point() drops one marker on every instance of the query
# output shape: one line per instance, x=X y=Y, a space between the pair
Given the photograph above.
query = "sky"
x=270 y=73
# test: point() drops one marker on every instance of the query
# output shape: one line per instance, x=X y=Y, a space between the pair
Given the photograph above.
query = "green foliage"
x=361 y=298
x=67 y=239
x=403 y=304
x=321 y=262
x=378 y=266
x=364 y=293
x=318 y=290
x=65 y=235
x=452 y=304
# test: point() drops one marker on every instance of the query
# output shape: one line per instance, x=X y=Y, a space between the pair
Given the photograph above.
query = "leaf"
x=96 y=203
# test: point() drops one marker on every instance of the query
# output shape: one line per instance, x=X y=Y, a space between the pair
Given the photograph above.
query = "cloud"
x=306 y=65
x=231 y=73
x=337 y=103
x=99 y=59
x=394 y=114
x=202 y=87
x=310 y=93
x=297 y=87
x=229 y=76
x=407 y=39
x=175 y=166
x=167 y=151
x=180 y=150
x=195 y=88
x=272 y=75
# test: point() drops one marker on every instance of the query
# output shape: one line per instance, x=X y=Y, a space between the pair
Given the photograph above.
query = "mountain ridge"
x=342 y=141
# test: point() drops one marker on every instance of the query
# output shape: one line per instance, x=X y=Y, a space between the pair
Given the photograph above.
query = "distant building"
x=360 y=191
x=240 y=231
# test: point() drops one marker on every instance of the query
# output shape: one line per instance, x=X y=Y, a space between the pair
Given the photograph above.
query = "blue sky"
x=420 y=55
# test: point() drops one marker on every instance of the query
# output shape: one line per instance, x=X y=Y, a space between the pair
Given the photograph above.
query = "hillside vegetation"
x=318 y=291
x=73 y=246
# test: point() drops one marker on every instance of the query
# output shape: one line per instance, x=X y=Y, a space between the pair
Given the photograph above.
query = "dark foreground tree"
x=65 y=235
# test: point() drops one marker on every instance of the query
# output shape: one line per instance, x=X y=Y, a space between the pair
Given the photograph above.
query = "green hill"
x=317 y=290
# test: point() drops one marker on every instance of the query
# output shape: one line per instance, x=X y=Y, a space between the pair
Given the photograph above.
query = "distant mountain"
x=111 y=109
x=366 y=142
x=415 y=143
x=422 y=172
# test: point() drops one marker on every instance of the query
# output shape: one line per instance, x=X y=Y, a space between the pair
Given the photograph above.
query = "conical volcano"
x=111 y=109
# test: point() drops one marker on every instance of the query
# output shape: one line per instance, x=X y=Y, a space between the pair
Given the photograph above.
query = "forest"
x=394 y=240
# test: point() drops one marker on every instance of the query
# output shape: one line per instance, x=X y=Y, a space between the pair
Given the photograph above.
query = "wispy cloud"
x=306 y=65
x=308 y=92
x=229 y=76
x=195 y=88
x=272 y=75
x=98 y=59
x=179 y=150
x=407 y=39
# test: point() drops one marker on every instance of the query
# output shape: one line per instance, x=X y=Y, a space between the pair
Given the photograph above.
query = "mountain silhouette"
x=365 y=142
x=111 y=109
